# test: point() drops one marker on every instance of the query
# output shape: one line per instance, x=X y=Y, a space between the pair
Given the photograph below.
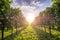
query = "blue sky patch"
x=31 y=6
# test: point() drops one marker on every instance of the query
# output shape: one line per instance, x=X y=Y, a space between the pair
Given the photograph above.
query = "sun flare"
x=30 y=18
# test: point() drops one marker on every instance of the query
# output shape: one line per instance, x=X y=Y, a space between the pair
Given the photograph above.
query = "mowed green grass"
x=30 y=33
x=27 y=34
x=22 y=34
x=45 y=34
x=53 y=32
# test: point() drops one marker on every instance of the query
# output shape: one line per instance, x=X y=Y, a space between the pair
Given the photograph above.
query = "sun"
x=30 y=18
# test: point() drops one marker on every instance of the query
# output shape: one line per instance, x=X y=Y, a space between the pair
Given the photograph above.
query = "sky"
x=31 y=6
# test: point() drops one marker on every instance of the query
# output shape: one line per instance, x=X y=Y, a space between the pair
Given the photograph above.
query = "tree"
x=4 y=13
x=15 y=17
x=51 y=19
x=56 y=7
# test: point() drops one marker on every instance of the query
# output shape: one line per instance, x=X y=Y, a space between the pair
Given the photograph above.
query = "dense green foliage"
x=4 y=13
x=56 y=7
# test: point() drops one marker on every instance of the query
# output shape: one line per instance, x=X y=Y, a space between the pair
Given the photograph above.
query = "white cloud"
x=15 y=5
x=26 y=9
x=31 y=9
x=37 y=3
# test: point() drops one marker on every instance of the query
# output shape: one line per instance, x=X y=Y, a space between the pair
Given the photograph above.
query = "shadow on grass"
x=42 y=35
x=12 y=36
